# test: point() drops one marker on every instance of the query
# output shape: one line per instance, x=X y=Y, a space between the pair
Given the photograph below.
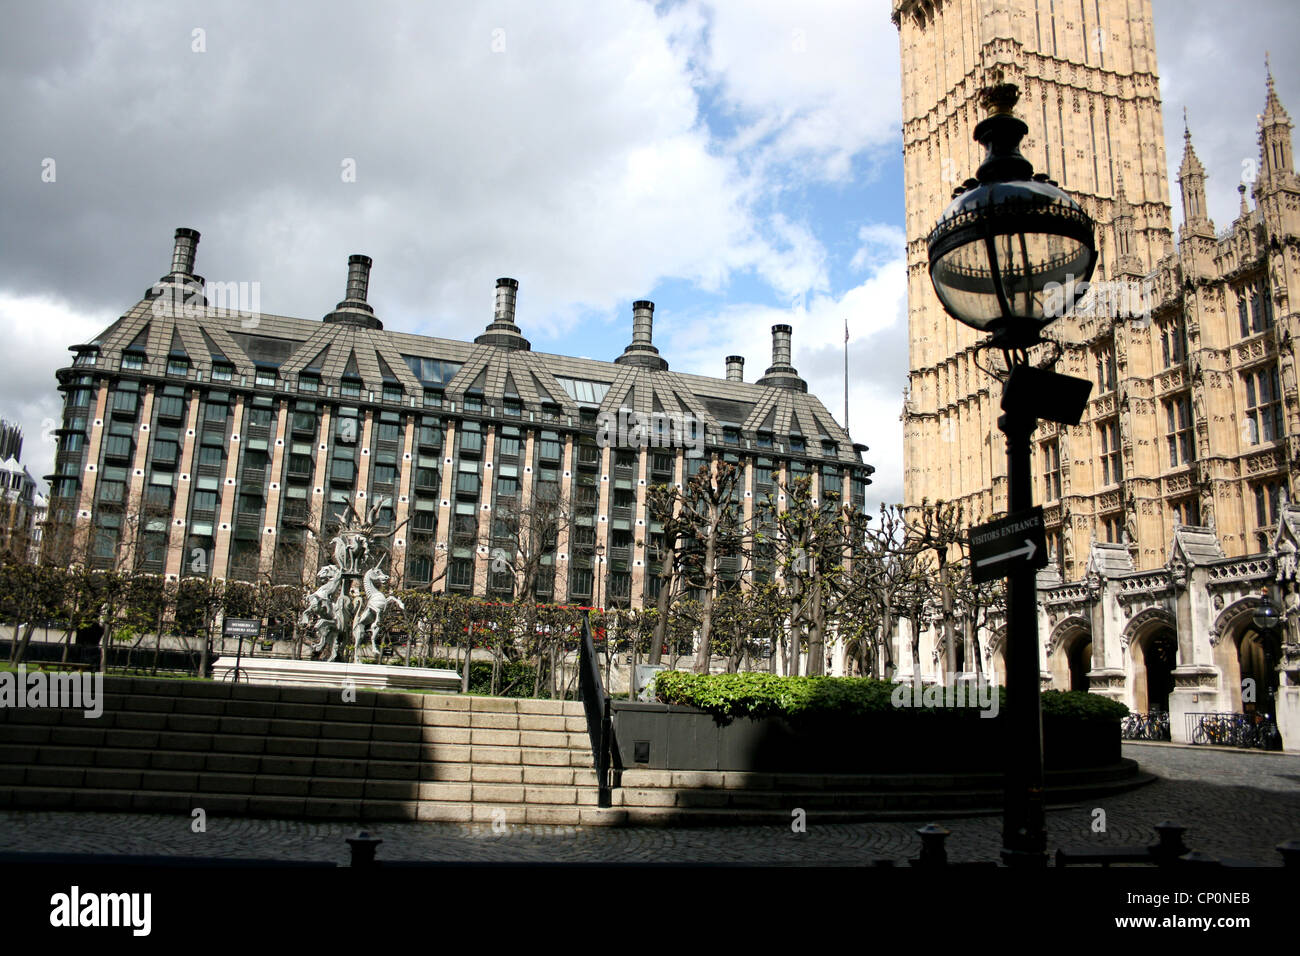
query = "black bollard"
x=1169 y=846
x=363 y=849
x=933 y=853
x=1290 y=851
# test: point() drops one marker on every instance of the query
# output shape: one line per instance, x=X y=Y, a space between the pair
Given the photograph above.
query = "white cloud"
x=38 y=332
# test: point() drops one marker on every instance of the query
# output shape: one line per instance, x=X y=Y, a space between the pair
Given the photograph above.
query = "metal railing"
x=1234 y=730
x=595 y=702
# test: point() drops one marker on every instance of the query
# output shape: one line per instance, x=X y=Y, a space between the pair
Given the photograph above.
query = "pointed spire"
x=1191 y=179
x=1244 y=211
x=1273 y=109
x=1274 y=135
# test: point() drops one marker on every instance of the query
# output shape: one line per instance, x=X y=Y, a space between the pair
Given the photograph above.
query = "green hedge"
x=516 y=678
x=728 y=696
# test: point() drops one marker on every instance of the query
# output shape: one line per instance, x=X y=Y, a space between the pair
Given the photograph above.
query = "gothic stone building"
x=197 y=440
x=1165 y=506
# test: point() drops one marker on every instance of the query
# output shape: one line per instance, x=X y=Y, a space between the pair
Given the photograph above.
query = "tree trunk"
x=661 y=604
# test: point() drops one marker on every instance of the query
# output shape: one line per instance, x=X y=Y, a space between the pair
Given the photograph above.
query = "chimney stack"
x=643 y=320
x=187 y=241
x=782 y=374
x=502 y=330
x=507 y=292
x=735 y=368
x=358 y=278
x=641 y=351
x=354 y=310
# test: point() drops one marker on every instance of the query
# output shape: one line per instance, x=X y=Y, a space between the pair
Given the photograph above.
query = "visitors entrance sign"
x=1007 y=545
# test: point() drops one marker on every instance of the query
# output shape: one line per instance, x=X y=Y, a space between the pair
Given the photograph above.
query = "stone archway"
x=1240 y=651
x=1258 y=654
x=1152 y=638
x=997 y=657
x=1069 y=654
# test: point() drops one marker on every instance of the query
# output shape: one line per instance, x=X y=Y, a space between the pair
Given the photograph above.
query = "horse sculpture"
x=376 y=603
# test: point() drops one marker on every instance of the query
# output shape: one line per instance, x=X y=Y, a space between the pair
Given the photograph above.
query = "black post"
x=1024 y=828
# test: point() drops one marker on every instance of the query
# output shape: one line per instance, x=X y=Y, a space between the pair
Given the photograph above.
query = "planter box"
x=672 y=737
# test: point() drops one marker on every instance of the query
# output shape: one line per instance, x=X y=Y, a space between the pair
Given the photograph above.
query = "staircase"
x=303 y=752
x=699 y=798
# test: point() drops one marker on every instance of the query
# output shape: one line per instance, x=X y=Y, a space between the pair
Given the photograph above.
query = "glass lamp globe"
x=1013 y=251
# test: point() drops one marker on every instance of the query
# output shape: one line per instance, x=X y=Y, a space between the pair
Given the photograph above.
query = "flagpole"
x=846 y=374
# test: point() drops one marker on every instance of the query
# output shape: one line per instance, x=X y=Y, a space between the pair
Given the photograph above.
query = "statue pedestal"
x=289 y=673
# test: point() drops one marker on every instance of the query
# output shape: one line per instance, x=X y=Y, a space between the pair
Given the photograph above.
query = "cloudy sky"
x=738 y=162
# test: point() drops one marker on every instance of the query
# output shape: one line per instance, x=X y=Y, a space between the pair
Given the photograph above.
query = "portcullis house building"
x=199 y=440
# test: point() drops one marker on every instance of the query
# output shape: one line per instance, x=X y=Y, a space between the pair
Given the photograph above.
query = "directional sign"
x=1007 y=545
x=242 y=627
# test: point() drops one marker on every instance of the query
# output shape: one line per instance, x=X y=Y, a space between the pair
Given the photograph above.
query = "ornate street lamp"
x=1012 y=253
x=1266 y=617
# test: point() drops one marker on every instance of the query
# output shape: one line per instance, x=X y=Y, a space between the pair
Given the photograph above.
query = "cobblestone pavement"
x=1235 y=804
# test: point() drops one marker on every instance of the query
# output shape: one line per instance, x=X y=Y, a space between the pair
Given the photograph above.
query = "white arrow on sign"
x=1027 y=552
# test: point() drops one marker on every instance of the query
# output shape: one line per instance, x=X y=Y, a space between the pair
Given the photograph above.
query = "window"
x=117 y=446
x=549 y=448
x=390 y=428
x=132 y=361
x=304 y=422
x=460 y=574
x=1173 y=341
x=474 y=404
x=431 y=435
x=467 y=484
x=178 y=366
x=260 y=417
x=1113 y=526
x=508 y=446
x=471 y=438
x=513 y=408
x=392 y=393
x=306 y=383
x=265 y=377
x=384 y=474
x=426 y=478
x=222 y=372
x=215 y=413
x=350 y=388
x=165 y=452
x=1110 y=463
x=1188 y=511
x=112 y=491
x=125 y=401
x=171 y=407
x=1178 y=434
x=1106 y=371
x=1254 y=311
x=1268 y=495
x=584 y=391
x=1051 y=470
x=432 y=398
x=764 y=439
x=210 y=455
x=1263 y=406
x=205 y=501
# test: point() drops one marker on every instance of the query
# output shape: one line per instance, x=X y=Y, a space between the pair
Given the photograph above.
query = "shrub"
x=728 y=696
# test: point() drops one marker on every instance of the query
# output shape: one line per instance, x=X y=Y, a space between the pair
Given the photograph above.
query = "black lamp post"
x=1012 y=253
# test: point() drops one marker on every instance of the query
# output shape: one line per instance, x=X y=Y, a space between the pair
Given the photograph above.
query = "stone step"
x=903 y=782
x=528 y=765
